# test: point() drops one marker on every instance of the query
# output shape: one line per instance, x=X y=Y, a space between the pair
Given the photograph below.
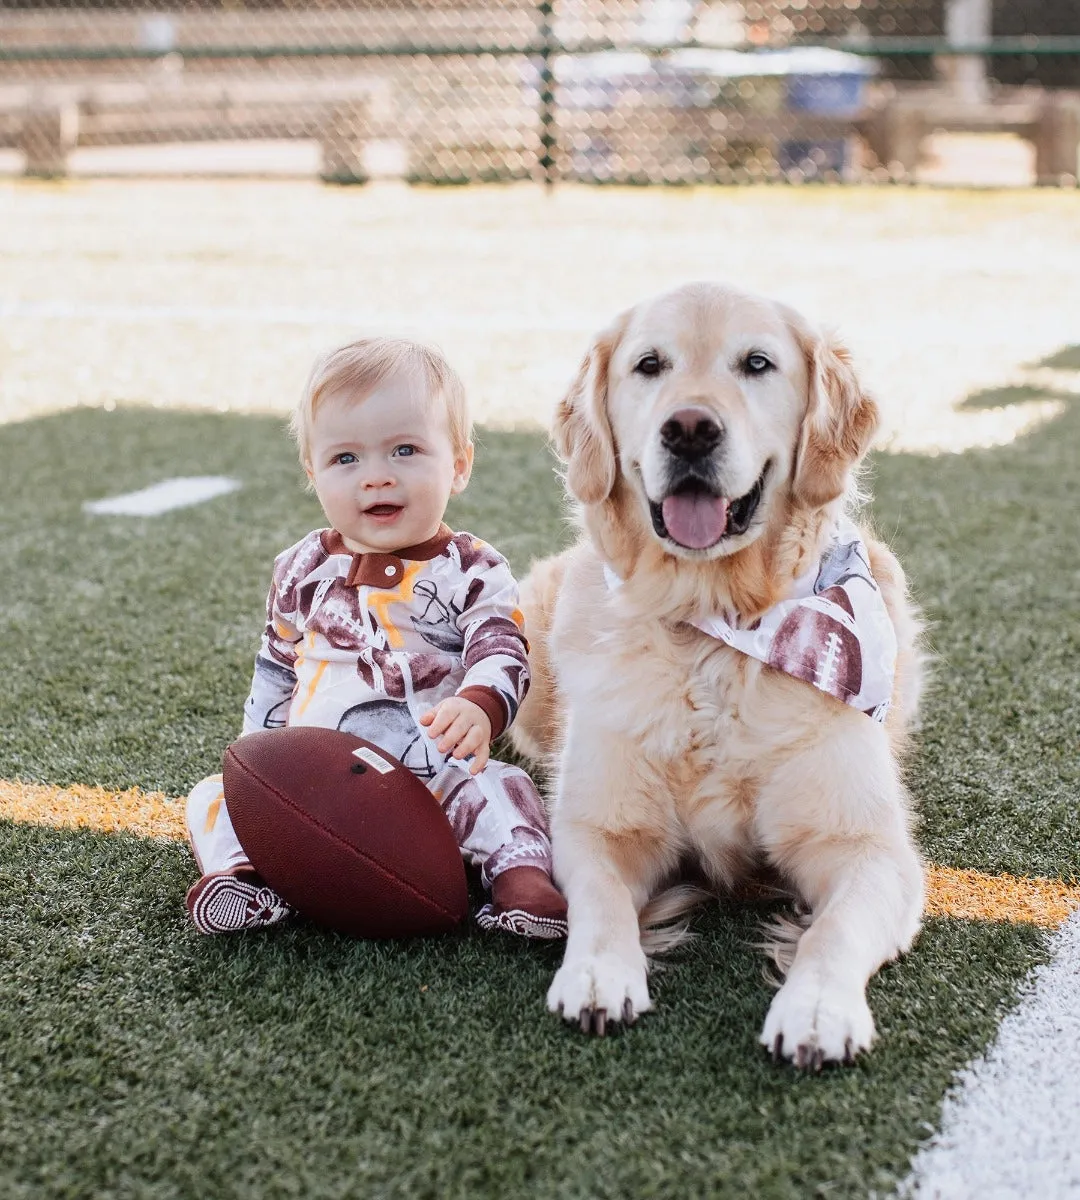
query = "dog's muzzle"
x=696 y=516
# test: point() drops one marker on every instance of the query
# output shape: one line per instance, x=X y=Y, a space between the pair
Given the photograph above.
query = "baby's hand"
x=462 y=728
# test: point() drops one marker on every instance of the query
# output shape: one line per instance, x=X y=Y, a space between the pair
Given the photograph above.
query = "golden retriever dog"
x=711 y=440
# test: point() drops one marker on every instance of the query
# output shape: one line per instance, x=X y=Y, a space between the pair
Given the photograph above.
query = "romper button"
x=391 y=570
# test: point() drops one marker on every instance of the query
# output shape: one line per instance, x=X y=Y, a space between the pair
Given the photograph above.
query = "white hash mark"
x=164 y=497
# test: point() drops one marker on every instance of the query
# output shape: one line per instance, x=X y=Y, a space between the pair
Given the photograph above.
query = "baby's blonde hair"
x=362 y=366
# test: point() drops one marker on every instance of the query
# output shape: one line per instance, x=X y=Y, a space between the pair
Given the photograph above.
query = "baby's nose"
x=377 y=477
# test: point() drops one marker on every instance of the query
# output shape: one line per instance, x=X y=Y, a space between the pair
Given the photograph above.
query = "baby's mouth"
x=383 y=510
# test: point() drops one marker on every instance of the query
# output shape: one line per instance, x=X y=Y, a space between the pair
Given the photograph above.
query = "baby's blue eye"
x=346 y=458
x=406 y=451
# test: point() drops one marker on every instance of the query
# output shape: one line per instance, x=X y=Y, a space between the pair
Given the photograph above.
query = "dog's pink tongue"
x=695 y=520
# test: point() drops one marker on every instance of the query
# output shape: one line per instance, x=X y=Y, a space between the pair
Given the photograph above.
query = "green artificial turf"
x=991 y=539
x=133 y=638
x=138 y=1059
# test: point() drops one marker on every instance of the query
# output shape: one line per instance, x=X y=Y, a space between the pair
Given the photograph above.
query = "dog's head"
x=717 y=413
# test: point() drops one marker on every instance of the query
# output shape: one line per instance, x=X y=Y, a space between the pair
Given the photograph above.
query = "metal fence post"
x=548 y=136
x=967 y=23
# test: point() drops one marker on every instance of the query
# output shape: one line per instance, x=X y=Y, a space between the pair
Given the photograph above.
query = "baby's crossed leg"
x=499 y=822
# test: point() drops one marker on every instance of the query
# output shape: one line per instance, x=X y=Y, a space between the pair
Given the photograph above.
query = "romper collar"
x=385 y=570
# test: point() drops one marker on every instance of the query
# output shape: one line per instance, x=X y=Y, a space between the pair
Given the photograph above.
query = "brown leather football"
x=352 y=840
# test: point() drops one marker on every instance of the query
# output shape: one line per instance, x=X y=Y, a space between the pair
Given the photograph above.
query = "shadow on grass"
x=1006 y=397
x=301 y=1063
x=1066 y=359
x=296 y=1062
x=134 y=637
x=986 y=537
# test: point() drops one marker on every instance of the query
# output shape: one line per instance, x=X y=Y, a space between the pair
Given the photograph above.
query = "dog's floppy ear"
x=840 y=422
x=581 y=430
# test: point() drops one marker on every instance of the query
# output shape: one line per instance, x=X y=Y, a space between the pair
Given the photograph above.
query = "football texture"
x=819 y=648
x=344 y=832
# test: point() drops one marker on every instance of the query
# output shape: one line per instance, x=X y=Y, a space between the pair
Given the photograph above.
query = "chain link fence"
x=622 y=91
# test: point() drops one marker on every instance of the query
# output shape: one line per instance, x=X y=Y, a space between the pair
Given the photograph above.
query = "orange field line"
x=150 y=814
x=951 y=892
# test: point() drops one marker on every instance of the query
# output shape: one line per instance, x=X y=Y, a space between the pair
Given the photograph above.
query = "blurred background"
x=178 y=229
x=596 y=91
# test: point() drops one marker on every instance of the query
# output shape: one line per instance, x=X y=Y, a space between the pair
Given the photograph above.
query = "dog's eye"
x=757 y=364
x=648 y=364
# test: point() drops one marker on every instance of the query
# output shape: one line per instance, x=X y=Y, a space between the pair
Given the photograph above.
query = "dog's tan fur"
x=667 y=745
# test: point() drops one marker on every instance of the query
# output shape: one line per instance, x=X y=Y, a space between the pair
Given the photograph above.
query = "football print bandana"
x=834 y=631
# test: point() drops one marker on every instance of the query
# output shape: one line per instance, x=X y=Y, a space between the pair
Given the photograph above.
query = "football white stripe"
x=826 y=672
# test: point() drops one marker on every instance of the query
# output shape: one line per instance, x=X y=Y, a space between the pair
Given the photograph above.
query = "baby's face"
x=384 y=466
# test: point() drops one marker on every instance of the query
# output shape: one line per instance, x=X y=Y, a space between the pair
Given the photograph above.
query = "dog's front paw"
x=594 y=991
x=811 y=1023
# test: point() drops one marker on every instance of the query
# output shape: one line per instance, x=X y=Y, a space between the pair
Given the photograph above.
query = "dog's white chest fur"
x=693 y=717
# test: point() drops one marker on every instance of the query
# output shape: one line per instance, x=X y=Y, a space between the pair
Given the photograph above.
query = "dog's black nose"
x=691 y=433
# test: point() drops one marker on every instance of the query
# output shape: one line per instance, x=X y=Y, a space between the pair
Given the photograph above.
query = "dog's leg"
x=834 y=820
x=609 y=856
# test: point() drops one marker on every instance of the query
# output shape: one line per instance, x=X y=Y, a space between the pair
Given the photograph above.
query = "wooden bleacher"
x=1050 y=120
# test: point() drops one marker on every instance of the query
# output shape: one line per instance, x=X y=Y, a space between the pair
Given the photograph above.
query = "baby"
x=392 y=627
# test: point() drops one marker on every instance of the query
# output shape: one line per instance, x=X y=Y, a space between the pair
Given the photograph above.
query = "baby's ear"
x=463 y=465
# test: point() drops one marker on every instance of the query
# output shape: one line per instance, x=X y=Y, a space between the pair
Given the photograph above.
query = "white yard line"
x=1011 y=1128
x=163 y=497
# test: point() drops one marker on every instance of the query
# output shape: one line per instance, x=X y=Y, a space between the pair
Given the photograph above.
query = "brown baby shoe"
x=526 y=902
